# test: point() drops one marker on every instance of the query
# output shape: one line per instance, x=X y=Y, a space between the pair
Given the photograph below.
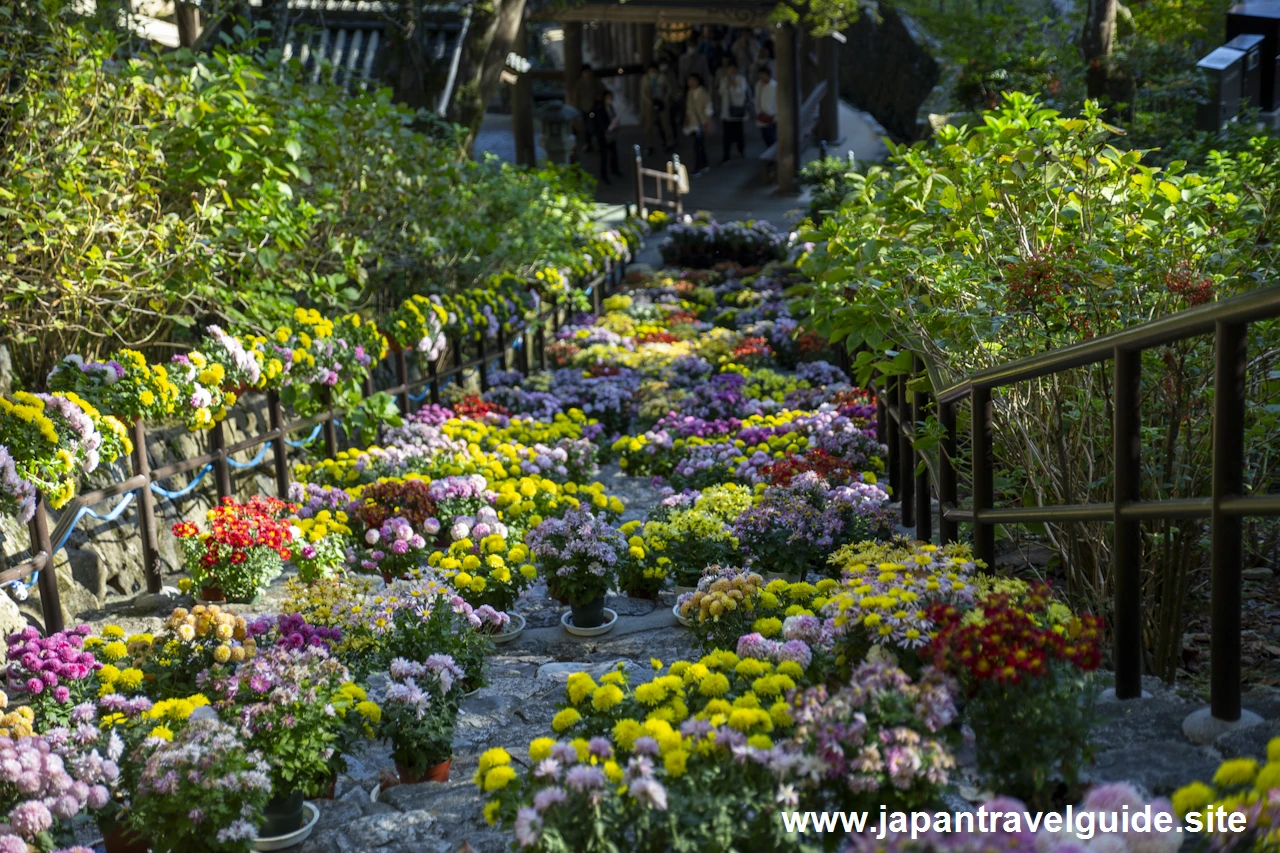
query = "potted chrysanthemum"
x=242 y=551
x=579 y=556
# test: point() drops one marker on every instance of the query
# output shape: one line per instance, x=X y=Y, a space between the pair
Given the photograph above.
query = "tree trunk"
x=1096 y=42
x=490 y=38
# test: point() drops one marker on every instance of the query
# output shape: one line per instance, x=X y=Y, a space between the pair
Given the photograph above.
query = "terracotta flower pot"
x=118 y=838
x=436 y=773
x=213 y=594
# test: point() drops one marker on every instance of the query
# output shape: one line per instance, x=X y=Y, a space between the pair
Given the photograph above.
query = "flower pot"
x=514 y=629
x=253 y=599
x=686 y=621
x=588 y=615
x=119 y=838
x=212 y=594
x=282 y=815
x=268 y=843
x=610 y=619
x=644 y=594
x=436 y=773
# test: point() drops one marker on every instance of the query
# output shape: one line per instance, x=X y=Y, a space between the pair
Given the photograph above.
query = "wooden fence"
x=521 y=352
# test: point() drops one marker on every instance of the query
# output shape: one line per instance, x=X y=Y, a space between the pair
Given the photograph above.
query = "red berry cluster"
x=1012 y=642
x=1033 y=282
x=1183 y=281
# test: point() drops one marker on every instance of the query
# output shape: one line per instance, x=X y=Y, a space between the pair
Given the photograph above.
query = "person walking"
x=655 y=107
x=697 y=121
x=746 y=49
x=691 y=62
x=606 y=133
x=767 y=106
x=734 y=94
x=587 y=92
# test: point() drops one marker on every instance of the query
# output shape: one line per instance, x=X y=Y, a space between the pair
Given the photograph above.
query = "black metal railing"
x=524 y=351
x=899 y=419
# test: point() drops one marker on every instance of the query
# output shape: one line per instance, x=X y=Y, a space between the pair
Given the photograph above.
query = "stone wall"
x=103 y=560
x=886 y=70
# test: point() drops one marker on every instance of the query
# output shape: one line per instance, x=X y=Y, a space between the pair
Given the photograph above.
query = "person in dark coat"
x=605 y=120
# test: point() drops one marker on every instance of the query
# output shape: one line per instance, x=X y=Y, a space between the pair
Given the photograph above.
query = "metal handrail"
x=1245 y=308
x=1228 y=321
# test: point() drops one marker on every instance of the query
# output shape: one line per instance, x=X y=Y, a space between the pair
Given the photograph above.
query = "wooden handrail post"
x=984 y=534
x=221 y=469
x=948 y=530
x=275 y=415
x=330 y=425
x=50 y=602
x=924 y=505
x=893 y=469
x=433 y=382
x=640 y=184
x=675 y=185
x=1227 y=546
x=906 y=455
x=502 y=349
x=146 y=509
x=1126 y=435
x=402 y=379
x=482 y=362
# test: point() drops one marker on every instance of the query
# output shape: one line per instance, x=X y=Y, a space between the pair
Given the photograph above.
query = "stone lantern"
x=558 y=140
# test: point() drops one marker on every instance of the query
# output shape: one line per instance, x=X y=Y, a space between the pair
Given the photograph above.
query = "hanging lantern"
x=674 y=32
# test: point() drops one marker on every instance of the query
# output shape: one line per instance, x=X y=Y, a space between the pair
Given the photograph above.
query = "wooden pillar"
x=522 y=107
x=807 y=47
x=787 y=62
x=146 y=511
x=572 y=61
x=188 y=20
x=646 y=34
x=829 y=70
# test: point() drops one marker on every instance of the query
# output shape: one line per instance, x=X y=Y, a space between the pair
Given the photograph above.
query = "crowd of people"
x=682 y=97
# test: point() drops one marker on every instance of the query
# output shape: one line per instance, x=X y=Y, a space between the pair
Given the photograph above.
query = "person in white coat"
x=697 y=121
x=735 y=96
x=767 y=106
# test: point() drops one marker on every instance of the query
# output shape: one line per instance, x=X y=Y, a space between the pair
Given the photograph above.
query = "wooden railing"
x=669 y=179
x=525 y=351
x=901 y=413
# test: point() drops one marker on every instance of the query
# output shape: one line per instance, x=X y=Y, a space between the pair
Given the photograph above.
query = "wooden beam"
x=733 y=15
